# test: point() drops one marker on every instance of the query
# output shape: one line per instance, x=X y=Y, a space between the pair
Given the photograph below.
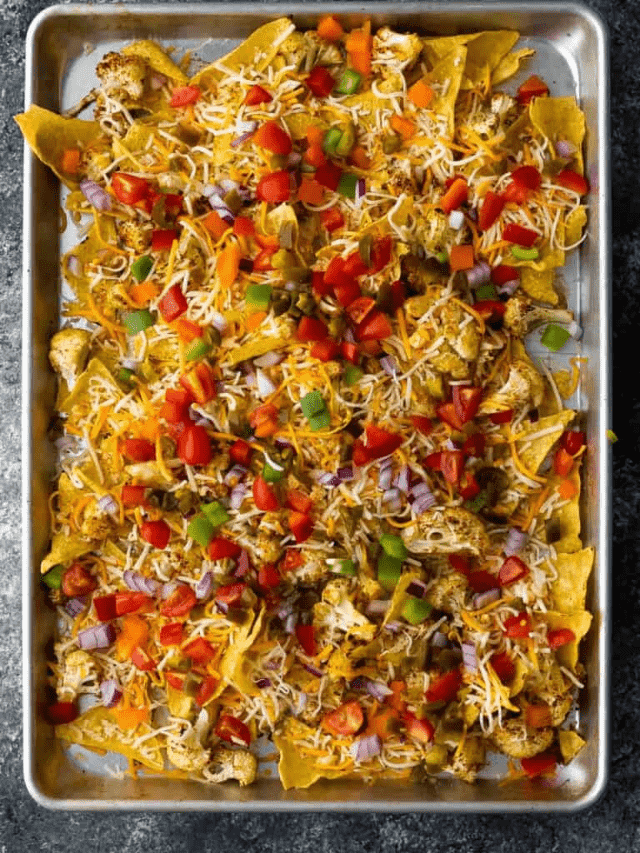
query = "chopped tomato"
x=380 y=442
x=538 y=764
x=180 y=602
x=130 y=602
x=573 y=441
x=451 y=464
x=490 y=210
x=353 y=265
x=299 y=502
x=105 y=606
x=482 y=581
x=133 y=495
x=384 y=723
x=306 y=636
x=314 y=155
x=200 y=651
x=466 y=401
x=421 y=730
x=240 y=453
x=206 y=690
x=77 y=581
x=200 y=382
x=504 y=666
x=60 y=713
x=268 y=576
x=572 y=181
x=257 y=95
x=527 y=176
x=332 y=219
x=533 y=87
x=512 y=570
x=293 y=559
x=301 y=526
x=172 y=304
x=380 y=254
x=347 y=292
x=447 y=413
x=311 y=329
x=346 y=720
x=221 y=548
x=375 y=327
x=562 y=462
x=233 y=730
x=504 y=273
x=455 y=195
x=274 y=188
x=491 y=310
x=162 y=239
x=156 y=533
x=273 y=138
x=264 y=496
x=262 y=261
x=311 y=192
x=328 y=174
x=350 y=352
x=335 y=272
x=128 y=188
x=422 y=423
x=474 y=444
x=194 y=445
x=468 y=486
x=360 y=308
x=231 y=594
x=320 y=81
x=171 y=634
x=359 y=453
x=433 y=460
x=320 y=287
x=175 y=409
x=445 y=688
x=264 y=420
x=513 y=233
x=243 y=227
x=560 y=637
x=517 y=627
x=326 y=350
x=139 y=449
x=515 y=193
x=141 y=659
x=184 y=95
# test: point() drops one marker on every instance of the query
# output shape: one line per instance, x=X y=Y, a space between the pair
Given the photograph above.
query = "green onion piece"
x=125 y=375
x=330 y=140
x=141 y=267
x=523 y=254
x=554 y=337
x=487 y=291
x=348 y=83
x=394 y=546
x=346 y=568
x=258 y=296
x=312 y=404
x=138 y=321
x=198 y=349
x=53 y=577
x=320 y=422
x=201 y=530
x=346 y=142
x=215 y=513
x=415 y=610
x=611 y=436
x=347 y=185
x=476 y=504
x=352 y=374
x=442 y=258
x=271 y=474
x=389 y=571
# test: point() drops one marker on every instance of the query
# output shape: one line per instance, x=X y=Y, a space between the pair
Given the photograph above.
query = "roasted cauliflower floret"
x=187 y=754
x=403 y=48
x=450 y=321
x=77 y=670
x=448 y=592
x=446 y=530
x=336 y=612
x=68 y=353
x=521 y=315
x=524 y=388
x=95 y=524
x=553 y=689
x=238 y=764
x=135 y=235
x=516 y=739
x=432 y=231
x=122 y=77
x=267 y=548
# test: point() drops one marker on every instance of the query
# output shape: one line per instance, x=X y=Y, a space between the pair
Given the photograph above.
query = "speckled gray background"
x=612 y=824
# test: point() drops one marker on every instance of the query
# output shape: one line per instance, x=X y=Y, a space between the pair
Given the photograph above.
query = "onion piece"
x=204 y=587
x=263 y=682
x=509 y=287
x=75 y=606
x=98 y=637
x=227 y=184
x=243 y=565
x=269 y=359
x=110 y=692
x=317 y=673
x=564 y=148
x=479 y=274
x=218 y=322
x=377 y=689
x=240 y=140
x=290 y=623
x=402 y=480
x=237 y=496
x=483 y=599
x=439 y=640
x=388 y=364
x=361 y=189
x=417 y=588
x=470 y=657
x=234 y=476
x=366 y=748
x=265 y=386
x=393 y=500
x=109 y=505
x=168 y=589
x=74 y=266
x=139 y=583
x=345 y=474
x=325 y=478
x=386 y=474
x=95 y=195
x=377 y=607
x=516 y=540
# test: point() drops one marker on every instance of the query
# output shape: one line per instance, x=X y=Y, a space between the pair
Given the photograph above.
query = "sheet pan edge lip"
x=253 y=10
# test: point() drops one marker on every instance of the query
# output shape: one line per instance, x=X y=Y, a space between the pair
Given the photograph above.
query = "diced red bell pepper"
x=105 y=606
x=504 y=666
x=398 y=295
x=421 y=730
x=314 y=155
x=273 y=138
x=360 y=308
x=206 y=690
x=326 y=350
x=560 y=637
x=77 y=581
x=162 y=239
x=171 y=634
x=447 y=413
x=375 y=327
x=353 y=265
x=346 y=720
x=311 y=329
x=194 y=445
x=180 y=602
x=293 y=559
x=517 y=627
x=350 y=352
x=240 y=453
x=474 y=445
x=200 y=651
x=156 y=533
x=139 y=449
x=175 y=409
x=268 y=576
x=172 y=304
x=433 y=460
x=482 y=581
x=60 y=713
x=535 y=766
x=461 y=563
x=527 y=176
x=445 y=688
x=142 y=660
x=200 y=382
x=562 y=462
x=131 y=602
x=359 y=453
x=184 y=95
x=422 y=423
x=380 y=254
x=257 y=95
x=232 y=730
x=221 y=548
x=243 y=227
x=455 y=195
x=328 y=174
x=513 y=233
x=451 y=465
x=335 y=273
x=274 y=188
x=466 y=401
x=301 y=526
x=347 y=291
x=512 y=570
x=490 y=210
x=572 y=440
x=320 y=81
x=572 y=181
x=299 y=502
x=468 y=486
x=501 y=417
x=515 y=193
x=128 y=188
x=231 y=594
x=306 y=636
x=491 y=310
x=133 y=495
x=319 y=285
x=504 y=273
x=332 y=219
x=380 y=442
x=264 y=496
x=533 y=87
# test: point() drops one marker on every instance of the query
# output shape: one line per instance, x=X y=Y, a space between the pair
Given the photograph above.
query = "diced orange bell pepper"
x=567 y=489
x=420 y=94
x=134 y=632
x=254 y=320
x=228 y=264
x=187 y=330
x=143 y=292
x=358 y=45
x=403 y=126
x=359 y=157
x=330 y=29
x=215 y=224
x=461 y=257
x=310 y=191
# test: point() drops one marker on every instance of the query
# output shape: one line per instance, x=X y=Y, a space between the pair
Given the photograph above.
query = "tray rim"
x=272 y=9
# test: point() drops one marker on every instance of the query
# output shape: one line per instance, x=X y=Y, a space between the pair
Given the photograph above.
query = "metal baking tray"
x=63 y=45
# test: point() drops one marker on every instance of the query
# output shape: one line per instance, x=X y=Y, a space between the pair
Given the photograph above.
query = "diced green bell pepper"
x=141 y=267
x=198 y=349
x=258 y=296
x=138 y=321
x=201 y=530
x=53 y=578
x=352 y=374
x=271 y=474
x=215 y=513
x=394 y=546
x=320 y=422
x=348 y=83
x=312 y=404
x=554 y=337
x=347 y=184
x=389 y=571
x=415 y=610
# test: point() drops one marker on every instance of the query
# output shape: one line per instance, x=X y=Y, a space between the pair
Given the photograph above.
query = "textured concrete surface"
x=612 y=824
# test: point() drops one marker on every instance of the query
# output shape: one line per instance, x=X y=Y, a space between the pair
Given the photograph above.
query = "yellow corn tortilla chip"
x=399 y=595
x=258 y=50
x=574 y=226
x=509 y=65
x=97 y=729
x=49 y=135
x=502 y=690
x=569 y=589
x=519 y=678
x=96 y=374
x=254 y=349
x=565 y=519
x=570 y=744
x=560 y=118
x=85 y=253
x=179 y=703
x=539 y=284
x=532 y=447
x=64 y=549
x=156 y=58
x=446 y=74
x=485 y=51
x=296 y=770
x=578 y=622
x=234 y=665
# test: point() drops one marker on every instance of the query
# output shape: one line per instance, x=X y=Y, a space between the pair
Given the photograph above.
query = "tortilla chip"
x=539 y=284
x=532 y=452
x=258 y=50
x=570 y=744
x=86 y=253
x=254 y=349
x=509 y=65
x=156 y=58
x=578 y=622
x=234 y=663
x=560 y=118
x=567 y=519
x=399 y=595
x=502 y=690
x=569 y=589
x=179 y=704
x=49 y=135
x=574 y=226
x=446 y=75
x=296 y=770
x=79 y=401
x=65 y=548
x=519 y=678
x=97 y=729
x=485 y=51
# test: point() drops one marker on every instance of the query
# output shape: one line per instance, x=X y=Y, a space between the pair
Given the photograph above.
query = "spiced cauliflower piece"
x=458 y=333
x=524 y=388
x=122 y=77
x=521 y=315
x=75 y=672
x=187 y=753
x=336 y=612
x=135 y=235
x=238 y=764
x=68 y=353
x=517 y=740
x=403 y=49
x=448 y=592
x=446 y=530
x=95 y=523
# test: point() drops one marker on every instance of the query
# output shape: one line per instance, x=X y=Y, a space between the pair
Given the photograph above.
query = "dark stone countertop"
x=612 y=824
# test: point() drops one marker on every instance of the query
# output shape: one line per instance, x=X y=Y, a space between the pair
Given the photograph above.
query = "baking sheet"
x=63 y=47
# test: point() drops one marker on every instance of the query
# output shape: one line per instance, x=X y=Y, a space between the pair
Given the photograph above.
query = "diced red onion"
x=95 y=195
x=235 y=475
x=402 y=480
x=450 y=445
x=74 y=266
x=98 y=637
x=204 y=587
x=301 y=702
x=386 y=474
x=265 y=386
x=222 y=606
x=139 y=583
x=130 y=363
x=328 y=479
x=250 y=381
x=243 y=565
x=349 y=337
x=377 y=607
x=269 y=359
x=156 y=81
x=290 y=623
x=479 y=274
x=516 y=540
x=421 y=498
x=282 y=442
x=168 y=589
x=237 y=496
x=564 y=148
x=218 y=322
x=345 y=474
x=483 y=599
x=392 y=498
x=212 y=189
x=469 y=657
x=110 y=692
x=439 y=640
x=75 y=606
x=417 y=588
x=263 y=682
x=509 y=287
x=273 y=665
x=366 y=748
x=377 y=689
x=227 y=184
x=240 y=140
x=388 y=364
x=108 y=505
x=244 y=127
x=318 y=673
x=392 y=627
x=361 y=189
x=575 y=330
